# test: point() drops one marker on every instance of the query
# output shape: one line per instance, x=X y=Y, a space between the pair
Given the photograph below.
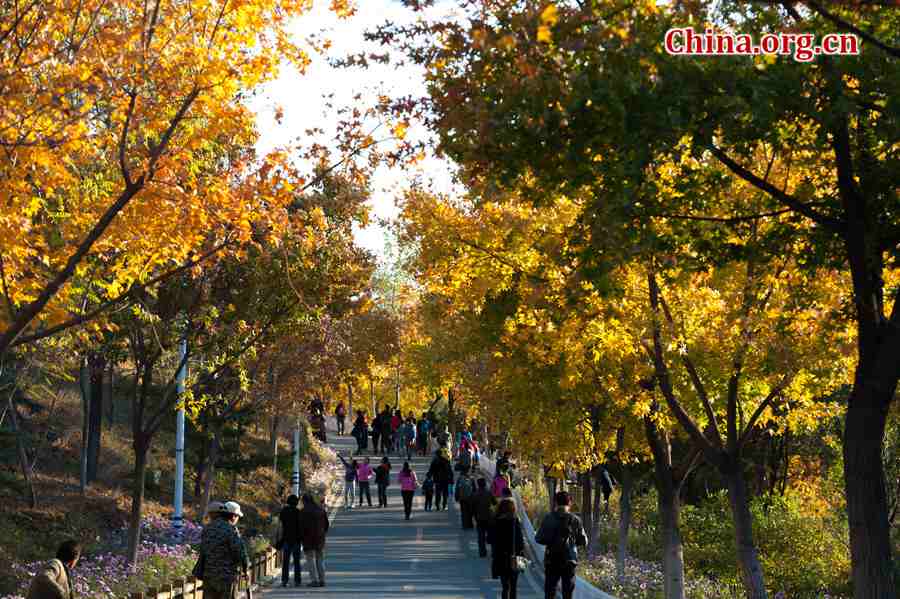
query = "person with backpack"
x=289 y=540
x=407 y=434
x=483 y=503
x=465 y=459
x=428 y=492
x=508 y=543
x=54 y=581
x=349 y=481
x=606 y=486
x=561 y=533
x=408 y=484
x=340 y=415
x=382 y=480
x=465 y=488
x=223 y=554
x=313 y=528
x=364 y=475
x=442 y=472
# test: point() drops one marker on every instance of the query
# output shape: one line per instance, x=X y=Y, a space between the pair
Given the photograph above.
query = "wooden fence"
x=262 y=564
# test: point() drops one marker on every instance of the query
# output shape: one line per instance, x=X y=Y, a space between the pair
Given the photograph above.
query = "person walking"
x=561 y=533
x=364 y=475
x=408 y=484
x=386 y=431
x=465 y=489
x=350 y=469
x=340 y=415
x=54 y=581
x=223 y=554
x=483 y=503
x=289 y=541
x=507 y=542
x=313 y=529
x=428 y=492
x=396 y=422
x=382 y=480
x=376 y=432
x=441 y=471
x=408 y=434
x=360 y=432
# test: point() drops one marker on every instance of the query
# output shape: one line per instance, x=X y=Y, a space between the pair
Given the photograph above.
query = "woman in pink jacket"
x=500 y=483
x=364 y=474
x=408 y=484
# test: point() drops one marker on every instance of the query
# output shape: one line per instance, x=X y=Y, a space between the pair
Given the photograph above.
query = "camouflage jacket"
x=224 y=552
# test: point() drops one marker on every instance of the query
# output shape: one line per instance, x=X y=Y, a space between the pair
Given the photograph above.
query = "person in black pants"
x=441 y=471
x=289 y=540
x=508 y=542
x=382 y=480
x=408 y=484
x=483 y=503
x=561 y=533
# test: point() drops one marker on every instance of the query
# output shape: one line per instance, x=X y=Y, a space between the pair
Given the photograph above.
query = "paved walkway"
x=374 y=553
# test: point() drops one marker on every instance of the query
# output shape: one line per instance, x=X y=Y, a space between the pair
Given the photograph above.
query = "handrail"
x=261 y=565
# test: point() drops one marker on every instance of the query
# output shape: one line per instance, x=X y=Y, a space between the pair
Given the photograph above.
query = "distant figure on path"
x=224 y=554
x=561 y=533
x=313 y=529
x=289 y=540
x=428 y=492
x=349 y=481
x=386 y=431
x=382 y=480
x=501 y=482
x=340 y=414
x=408 y=436
x=441 y=472
x=465 y=489
x=360 y=432
x=364 y=475
x=55 y=580
x=408 y=484
x=376 y=433
x=507 y=542
x=483 y=507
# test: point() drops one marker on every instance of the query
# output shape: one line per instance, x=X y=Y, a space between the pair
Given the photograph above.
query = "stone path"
x=374 y=553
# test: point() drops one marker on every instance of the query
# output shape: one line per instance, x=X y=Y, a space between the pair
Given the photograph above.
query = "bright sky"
x=301 y=97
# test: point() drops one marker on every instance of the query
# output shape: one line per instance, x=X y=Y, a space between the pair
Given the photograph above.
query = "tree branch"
x=788 y=200
x=774 y=393
x=847 y=26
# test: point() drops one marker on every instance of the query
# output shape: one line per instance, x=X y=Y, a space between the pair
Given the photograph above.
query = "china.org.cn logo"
x=803 y=47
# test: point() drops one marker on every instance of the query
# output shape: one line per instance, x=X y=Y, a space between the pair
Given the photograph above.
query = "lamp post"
x=178 y=516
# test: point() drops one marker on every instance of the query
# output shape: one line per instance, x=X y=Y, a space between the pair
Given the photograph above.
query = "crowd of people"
x=486 y=507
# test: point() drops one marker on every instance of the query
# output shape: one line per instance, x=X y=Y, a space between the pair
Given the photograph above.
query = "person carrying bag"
x=508 y=560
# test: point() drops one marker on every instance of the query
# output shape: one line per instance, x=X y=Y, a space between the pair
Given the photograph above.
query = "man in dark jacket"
x=224 y=554
x=561 y=533
x=313 y=528
x=483 y=502
x=289 y=540
x=441 y=471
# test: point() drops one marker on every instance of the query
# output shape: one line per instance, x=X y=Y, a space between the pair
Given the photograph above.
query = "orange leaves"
x=549 y=18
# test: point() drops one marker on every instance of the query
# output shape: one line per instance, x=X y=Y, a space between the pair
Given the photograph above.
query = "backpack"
x=563 y=545
x=465 y=459
x=464 y=488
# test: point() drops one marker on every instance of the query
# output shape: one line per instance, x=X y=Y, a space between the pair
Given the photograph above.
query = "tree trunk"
x=84 y=382
x=747 y=556
x=97 y=365
x=673 y=554
x=141 y=447
x=273 y=441
x=625 y=484
x=110 y=396
x=21 y=453
x=587 y=505
x=200 y=476
x=213 y=452
x=593 y=548
x=867 y=506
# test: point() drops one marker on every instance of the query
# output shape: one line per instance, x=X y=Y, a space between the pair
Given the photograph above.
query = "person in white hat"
x=225 y=557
